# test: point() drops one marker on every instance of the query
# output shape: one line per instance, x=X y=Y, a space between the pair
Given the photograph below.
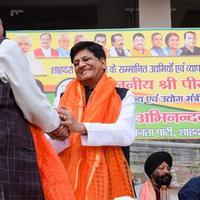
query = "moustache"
x=163 y=180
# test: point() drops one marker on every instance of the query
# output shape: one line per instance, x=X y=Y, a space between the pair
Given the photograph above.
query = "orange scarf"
x=55 y=183
x=96 y=173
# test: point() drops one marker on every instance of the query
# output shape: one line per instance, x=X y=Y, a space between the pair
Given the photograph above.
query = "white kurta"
x=14 y=69
x=121 y=133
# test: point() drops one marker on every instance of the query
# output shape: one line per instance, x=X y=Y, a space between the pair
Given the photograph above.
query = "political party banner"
x=160 y=66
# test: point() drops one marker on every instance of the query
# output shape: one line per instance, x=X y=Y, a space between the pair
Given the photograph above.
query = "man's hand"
x=61 y=133
x=68 y=120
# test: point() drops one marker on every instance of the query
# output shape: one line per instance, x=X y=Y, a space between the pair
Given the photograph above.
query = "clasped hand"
x=68 y=124
x=62 y=132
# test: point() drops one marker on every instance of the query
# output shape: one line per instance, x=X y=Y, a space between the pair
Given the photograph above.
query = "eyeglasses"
x=85 y=60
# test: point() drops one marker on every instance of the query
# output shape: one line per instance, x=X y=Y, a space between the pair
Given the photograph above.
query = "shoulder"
x=191 y=187
x=194 y=181
x=121 y=89
x=179 y=51
x=147 y=52
x=9 y=48
x=121 y=92
x=53 y=50
x=126 y=95
x=183 y=48
x=7 y=44
x=197 y=49
x=112 y=49
x=38 y=49
x=166 y=51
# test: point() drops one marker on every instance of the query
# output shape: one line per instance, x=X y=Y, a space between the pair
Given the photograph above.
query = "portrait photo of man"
x=118 y=48
x=190 y=41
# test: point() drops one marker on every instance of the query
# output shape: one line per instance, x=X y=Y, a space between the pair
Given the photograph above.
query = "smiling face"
x=80 y=38
x=138 y=43
x=162 y=169
x=64 y=41
x=157 y=41
x=45 y=41
x=89 y=69
x=190 y=40
x=24 y=43
x=161 y=175
x=101 y=41
x=118 y=42
x=173 y=42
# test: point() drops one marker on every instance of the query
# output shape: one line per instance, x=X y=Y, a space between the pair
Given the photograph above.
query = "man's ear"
x=103 y=61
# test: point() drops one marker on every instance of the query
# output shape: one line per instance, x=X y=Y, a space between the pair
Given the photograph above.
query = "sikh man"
x=157 y=167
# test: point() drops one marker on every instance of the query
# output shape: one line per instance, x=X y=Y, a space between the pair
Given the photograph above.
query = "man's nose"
x=82 y=63
x=166 y=170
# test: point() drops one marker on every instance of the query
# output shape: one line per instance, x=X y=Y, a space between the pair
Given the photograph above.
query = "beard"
x=163 y=180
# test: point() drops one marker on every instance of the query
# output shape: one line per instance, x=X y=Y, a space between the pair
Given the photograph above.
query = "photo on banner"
x=160 y=66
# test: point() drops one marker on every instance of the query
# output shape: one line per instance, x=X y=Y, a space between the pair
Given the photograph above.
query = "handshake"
x=68 y=124
x=63 y=131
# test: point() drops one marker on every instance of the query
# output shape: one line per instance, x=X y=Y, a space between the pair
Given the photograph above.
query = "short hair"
x=192 y=32
x=137 y=35
x=45 y=34
x=78 y=36
x=63 y=34
x=99 y=35
x=156 y=33
x=113 y=37
x=28 y=39
x=170 y=35
x=93 y=47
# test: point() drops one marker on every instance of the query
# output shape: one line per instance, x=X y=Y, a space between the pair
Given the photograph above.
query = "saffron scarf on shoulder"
x=54 y=178
x=95 y=172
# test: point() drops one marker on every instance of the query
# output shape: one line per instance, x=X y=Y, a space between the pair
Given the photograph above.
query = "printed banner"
x=160 y=66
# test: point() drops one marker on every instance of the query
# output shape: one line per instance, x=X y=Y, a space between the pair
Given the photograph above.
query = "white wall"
x=154 y=13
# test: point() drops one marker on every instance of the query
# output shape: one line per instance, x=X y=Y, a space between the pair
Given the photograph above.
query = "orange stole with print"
x=96 y=173
x=54 y=178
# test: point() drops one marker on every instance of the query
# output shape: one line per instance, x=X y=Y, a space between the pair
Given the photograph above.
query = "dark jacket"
x=19 y=174
x=191 y=190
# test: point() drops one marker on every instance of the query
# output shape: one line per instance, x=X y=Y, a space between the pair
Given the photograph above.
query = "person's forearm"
x=82 y=129
x=33 y=103
x=115 y=134
x=120 y=133
x=58 y=146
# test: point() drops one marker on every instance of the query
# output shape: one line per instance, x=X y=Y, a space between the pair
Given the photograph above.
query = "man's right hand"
x=61 y=133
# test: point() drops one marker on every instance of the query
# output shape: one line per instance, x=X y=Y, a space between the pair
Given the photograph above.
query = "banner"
x=160 y=66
